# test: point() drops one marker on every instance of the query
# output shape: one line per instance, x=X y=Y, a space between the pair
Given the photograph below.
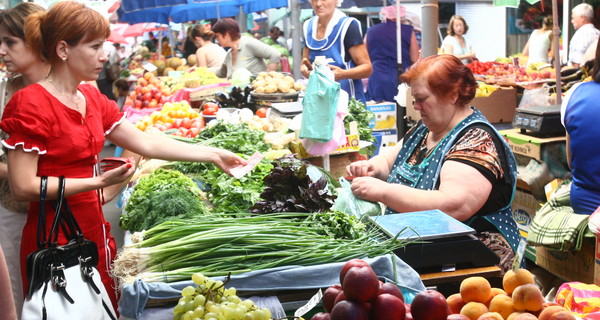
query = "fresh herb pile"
x=358 y=112
x=217 y=245
x=163 y=195
x=236 y=138
x=289 y=188
x=336 y=224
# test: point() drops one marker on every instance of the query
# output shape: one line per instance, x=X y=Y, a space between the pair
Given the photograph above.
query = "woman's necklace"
x=75 y=102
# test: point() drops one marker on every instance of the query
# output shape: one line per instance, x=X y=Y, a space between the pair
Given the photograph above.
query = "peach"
x=549 y=311
x=455 y=302
x=525 y=316
x=490 y=316
x=495 y=292
x=562 y=315
x=528 y=297
x=474 y=310
x=502 y=304
x=513 y=279
x=475 y=289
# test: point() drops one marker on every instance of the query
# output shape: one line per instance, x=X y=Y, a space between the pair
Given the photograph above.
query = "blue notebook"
x=422 y=225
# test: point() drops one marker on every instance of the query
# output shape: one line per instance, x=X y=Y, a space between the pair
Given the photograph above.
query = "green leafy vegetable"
x=336 y=224
x=163 y=195
x=358 y=112
x=237 y=138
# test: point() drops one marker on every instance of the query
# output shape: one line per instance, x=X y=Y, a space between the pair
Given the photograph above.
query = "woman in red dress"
x=57 y=127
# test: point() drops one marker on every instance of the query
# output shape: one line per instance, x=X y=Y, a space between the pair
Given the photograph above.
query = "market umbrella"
x=135 y=11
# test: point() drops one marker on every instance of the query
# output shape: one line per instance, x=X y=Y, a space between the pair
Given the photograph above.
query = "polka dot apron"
x=426 y=174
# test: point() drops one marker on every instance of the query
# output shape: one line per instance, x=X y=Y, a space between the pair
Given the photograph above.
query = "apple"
x=429 y=305
x=350 y=264
x=388 y=307
x=321 y=316
x=329 y=296
x=348 y=310
x=360 y=284
x=390 y=288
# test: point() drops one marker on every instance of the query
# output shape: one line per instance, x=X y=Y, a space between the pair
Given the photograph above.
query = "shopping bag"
x=63 y=280
x=320 y=107
x=348 y=203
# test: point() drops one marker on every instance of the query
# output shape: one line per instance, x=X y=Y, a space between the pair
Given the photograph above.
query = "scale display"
x=541 y=120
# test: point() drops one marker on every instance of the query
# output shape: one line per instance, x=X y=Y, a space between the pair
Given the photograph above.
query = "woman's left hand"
x=337 y=72
x=368 y=188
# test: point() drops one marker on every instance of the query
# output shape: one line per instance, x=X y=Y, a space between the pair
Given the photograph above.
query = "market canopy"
x=165 y=11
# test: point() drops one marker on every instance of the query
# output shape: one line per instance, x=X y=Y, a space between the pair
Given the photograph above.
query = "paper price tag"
x=149 y=67
x=253 y=161
x=314 y=300
x=519 y=255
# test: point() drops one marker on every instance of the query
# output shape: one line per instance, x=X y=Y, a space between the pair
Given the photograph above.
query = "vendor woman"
x=452 y=160
x=332 y=34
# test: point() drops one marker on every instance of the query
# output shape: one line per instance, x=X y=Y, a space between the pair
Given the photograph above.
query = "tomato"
x=262 y=112
x=199 y=122
x=186 y=123
x=210 y=111
x=210 y=105
x=194 y=131
x=177 y=123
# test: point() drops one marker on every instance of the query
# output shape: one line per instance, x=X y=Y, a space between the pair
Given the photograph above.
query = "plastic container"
x=267 y=99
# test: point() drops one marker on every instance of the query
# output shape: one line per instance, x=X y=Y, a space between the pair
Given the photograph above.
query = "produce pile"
x=219 y=244
x=361 y=296
x=209 y=300
x=276 y=82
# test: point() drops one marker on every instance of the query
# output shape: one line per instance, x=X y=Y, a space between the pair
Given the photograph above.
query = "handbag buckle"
x=87 y=272
x=59 y=281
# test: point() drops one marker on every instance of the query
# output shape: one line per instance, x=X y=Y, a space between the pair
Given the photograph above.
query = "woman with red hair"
x=452 y=160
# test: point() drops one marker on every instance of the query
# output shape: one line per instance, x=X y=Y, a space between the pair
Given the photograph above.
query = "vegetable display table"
x=136 y=298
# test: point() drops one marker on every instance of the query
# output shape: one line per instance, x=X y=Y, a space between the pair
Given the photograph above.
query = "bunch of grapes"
x=211 y=301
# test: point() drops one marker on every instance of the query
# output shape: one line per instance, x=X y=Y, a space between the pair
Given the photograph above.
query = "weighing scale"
x=539 y=121
x=438 y=240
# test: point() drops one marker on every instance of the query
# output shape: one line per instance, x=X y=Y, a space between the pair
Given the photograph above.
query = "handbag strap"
x=41 y=231
x=53 y=236
x=68 y=222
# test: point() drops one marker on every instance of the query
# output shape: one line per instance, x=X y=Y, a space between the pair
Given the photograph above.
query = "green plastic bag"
x=320 y=107
x=348 y=203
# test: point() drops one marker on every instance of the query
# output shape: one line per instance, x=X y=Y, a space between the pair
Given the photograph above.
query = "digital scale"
x=438 y=240
x=540 y=121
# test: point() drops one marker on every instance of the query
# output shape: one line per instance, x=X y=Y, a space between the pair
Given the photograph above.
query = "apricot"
x=525 y=316
x=528 y=297
x=512 y=279
x=490 y=316
x=495 y=292
x=549 y=311
x=475 y=289
x=474 y=310
x=562 y=315
x=455 y=302
x=502 y=304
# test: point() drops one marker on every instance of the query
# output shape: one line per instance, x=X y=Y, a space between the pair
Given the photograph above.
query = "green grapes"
x=210 y=300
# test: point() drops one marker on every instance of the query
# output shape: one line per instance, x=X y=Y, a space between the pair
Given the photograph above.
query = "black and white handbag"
x=63 y=280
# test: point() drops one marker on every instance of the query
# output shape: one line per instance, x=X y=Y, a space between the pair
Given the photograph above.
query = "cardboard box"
x=530 y=146
x=569 y=265
x=385 y=115
x=338 y=163
x=500 y=106
x=524 y=207
x=389 y=138
x=352 y=144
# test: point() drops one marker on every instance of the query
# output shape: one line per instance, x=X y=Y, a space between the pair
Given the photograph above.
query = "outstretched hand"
x=227 y=160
